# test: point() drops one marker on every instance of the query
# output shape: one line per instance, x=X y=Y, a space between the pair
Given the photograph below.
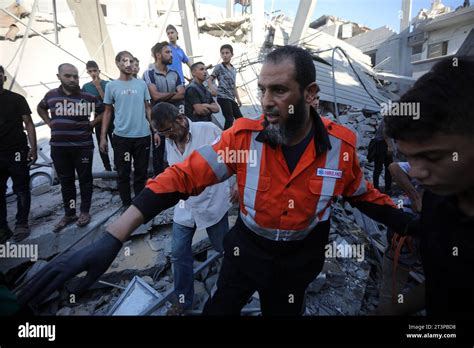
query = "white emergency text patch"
x=329 y=173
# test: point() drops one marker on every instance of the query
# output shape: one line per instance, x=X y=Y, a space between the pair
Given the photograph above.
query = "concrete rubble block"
x=65 y=311
x=211 y=281
x=139 y=259
x=201 y=294
x=316 y=285
x=41 y=213
x=50 y=244
x=331 y=265
x=336 y=279
x=343 y=119
x=106 y=184
x=148 y=280
x=164 y=218
x=360 y=118
x=366 y=128
x=156 y=243
x=162 y=285
x=362 y=159
x=81 y=312
x=363 y=142
x=372 y=121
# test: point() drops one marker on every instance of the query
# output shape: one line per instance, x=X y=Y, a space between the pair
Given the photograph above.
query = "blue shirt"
x=128 y=98
x=179 y=57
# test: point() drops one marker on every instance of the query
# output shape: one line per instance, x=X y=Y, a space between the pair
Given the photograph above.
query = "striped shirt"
x=70 y=116
x=226 y=77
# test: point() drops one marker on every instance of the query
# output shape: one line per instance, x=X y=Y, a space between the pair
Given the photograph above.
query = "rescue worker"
x=290 y=164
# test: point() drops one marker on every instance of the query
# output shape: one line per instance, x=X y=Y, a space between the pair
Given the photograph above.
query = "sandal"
x=66 y=220
x=83 y=220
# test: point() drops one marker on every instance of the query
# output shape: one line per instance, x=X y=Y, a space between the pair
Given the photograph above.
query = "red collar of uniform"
x=321 y=136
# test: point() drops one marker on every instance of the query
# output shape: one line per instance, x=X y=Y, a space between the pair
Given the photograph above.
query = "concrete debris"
x=235 y=28
x=65 y=311
x=340 y=289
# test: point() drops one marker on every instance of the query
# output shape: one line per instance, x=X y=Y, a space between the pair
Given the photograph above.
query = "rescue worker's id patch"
x=329 y=173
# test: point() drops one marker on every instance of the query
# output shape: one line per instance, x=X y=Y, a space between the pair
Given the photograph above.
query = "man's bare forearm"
x=211 y=86
x=44 y=115
x=178 y=96
x=213 y=107
x=106 y=118
x=31 y=132
x=402 y=179
x=128 y=222
x=97 y=120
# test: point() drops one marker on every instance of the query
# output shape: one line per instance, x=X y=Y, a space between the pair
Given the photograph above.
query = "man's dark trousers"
x=13 y=164
x=279 y=271
x=68 y=161
x=126 y=150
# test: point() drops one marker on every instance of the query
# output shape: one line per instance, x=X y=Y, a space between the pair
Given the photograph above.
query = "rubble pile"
x=346 y=285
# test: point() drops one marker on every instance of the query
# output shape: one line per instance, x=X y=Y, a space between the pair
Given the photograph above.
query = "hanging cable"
x=355 y=72
x=23 y=43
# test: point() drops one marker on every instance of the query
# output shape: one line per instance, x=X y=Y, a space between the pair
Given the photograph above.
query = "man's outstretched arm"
x=201 y=169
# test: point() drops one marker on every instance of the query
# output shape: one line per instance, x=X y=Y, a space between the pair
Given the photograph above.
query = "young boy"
x=179 y=56
x=227 y=94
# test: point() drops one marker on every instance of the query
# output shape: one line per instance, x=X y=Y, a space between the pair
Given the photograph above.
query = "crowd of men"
x=285 y=195
x=116 y=111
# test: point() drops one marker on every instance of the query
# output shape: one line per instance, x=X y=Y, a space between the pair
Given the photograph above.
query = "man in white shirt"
x=205 y=211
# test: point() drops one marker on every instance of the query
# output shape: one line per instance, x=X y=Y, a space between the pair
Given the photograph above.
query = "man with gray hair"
x=207 y=211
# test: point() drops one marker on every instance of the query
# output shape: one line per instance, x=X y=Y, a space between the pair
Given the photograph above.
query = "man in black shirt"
x=439 y=145
x=198 y=101
x=15 y=156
